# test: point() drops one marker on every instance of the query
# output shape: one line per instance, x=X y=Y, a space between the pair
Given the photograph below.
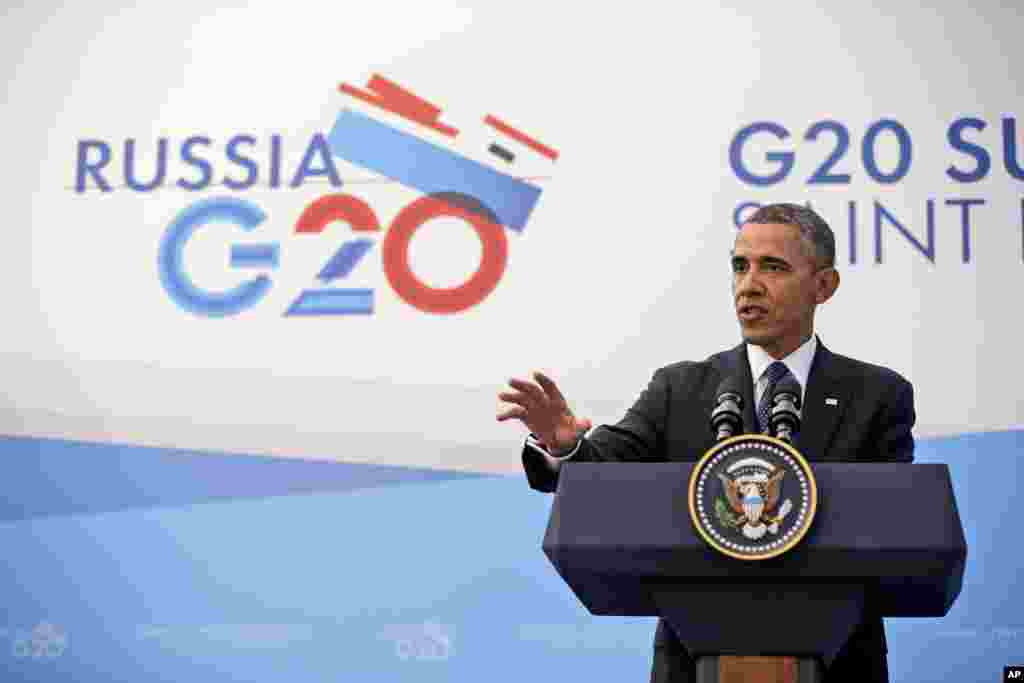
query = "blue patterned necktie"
x=775 y=372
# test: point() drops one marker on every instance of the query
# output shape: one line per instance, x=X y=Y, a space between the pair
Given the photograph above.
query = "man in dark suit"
x=783 y=267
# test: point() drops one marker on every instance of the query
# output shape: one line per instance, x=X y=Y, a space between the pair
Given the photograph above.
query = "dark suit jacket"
x=670 y=422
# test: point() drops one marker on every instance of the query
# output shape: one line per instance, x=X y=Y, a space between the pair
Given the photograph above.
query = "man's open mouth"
x=751 y=312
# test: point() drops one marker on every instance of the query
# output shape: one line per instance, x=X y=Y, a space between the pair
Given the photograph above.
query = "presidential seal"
x=752 y=497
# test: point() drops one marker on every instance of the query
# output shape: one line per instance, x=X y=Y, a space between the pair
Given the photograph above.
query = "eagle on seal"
x=754 y=501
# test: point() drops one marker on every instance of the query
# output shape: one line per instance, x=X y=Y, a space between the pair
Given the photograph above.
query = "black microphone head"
x=785 y=414
x=730 y=385
x=788 y=385
x=727 y=415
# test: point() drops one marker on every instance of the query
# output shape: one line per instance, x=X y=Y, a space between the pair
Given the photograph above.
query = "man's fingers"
x=517 y=397
x=534 y=391
x=550 y=388
x=512 y=413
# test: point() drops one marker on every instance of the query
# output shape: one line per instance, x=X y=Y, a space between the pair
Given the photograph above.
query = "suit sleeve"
x=892 y=439
x=638 y=436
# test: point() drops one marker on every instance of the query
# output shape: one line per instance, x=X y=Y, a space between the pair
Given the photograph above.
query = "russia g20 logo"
x=451 y=185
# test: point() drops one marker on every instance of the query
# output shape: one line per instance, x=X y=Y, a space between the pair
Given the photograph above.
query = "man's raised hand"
x=544 y=411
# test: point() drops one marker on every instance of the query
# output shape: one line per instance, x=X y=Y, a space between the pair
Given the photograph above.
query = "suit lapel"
x=824 y=402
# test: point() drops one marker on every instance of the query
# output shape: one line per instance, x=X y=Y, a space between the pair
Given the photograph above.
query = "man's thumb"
x=583 y=425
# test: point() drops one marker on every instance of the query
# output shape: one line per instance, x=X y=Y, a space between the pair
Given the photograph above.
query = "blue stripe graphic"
x=430 y=169
x=344 y=260
x=255 y=255
x=332 y=302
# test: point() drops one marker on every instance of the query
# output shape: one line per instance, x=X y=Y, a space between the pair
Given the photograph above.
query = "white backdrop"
x=622 y=268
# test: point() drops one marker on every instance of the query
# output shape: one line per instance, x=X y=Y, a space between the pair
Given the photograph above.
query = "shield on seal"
x=752 y=497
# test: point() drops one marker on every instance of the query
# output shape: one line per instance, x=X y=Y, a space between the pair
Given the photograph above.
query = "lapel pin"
x=831 y=401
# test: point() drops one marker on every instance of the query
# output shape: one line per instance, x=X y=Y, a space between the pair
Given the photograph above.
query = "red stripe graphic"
x=394 y=98
x=519 y=136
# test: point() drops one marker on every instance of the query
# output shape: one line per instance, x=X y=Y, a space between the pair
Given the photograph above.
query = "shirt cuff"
x=536 y=445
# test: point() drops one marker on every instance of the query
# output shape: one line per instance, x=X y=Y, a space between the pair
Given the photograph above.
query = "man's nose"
x=748 y=283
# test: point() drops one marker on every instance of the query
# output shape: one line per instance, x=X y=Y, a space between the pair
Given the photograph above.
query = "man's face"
x=776 y=285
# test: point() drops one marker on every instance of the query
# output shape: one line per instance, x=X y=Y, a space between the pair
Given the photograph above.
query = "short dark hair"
x=813 y=228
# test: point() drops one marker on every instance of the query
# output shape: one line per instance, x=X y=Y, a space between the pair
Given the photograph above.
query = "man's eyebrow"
x=763 y=260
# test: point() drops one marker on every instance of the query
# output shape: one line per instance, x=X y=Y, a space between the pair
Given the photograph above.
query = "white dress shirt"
x=798 y=363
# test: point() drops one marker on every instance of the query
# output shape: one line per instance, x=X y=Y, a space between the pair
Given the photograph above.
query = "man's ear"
x=826 y=283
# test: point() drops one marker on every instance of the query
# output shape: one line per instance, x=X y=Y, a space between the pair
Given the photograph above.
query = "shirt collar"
x=798 y=363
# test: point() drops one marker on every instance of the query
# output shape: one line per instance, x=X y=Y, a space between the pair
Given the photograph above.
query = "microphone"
x=727 y=416
x=785 y=417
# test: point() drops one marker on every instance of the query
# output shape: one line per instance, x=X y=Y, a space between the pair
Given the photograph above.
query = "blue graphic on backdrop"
x=141 y=564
